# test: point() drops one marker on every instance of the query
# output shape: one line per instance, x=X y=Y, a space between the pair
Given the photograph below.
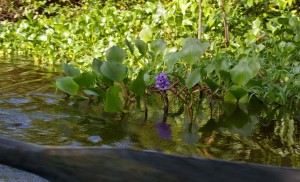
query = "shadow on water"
x=32 y=110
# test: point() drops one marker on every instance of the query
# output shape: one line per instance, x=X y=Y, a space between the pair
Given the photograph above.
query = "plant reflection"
x=164 y=130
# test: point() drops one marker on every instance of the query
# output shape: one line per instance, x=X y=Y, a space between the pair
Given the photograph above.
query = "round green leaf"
x=67 y=85
x=193 y=49
x=244 y=71
x=114 y=71
x=115 y=54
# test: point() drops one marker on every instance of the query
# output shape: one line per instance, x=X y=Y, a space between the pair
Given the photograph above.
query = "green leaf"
x=225 y=76
x=193 y=49
x=256 y=24
x=238 y=92
x=283 y=21
x=96 y=65
x=293 y=21
x=138 y=85
x=193 y=78
x=86 y=79
x=297 y=38
x=142 y=47
x=221 y=64
x=113 y=102
x=115 y=54
x=158 y=46
x=91 y=92
x=171 y=59
x=114 y=71
x=244 y=71
x=60 y=27
x=146 y=34
x=98 y=92
x=244 y=99
x=229 y=98
x=250 y=3
x=130 y=46
x=70 y=70
x=67 y=85
x=211 y=84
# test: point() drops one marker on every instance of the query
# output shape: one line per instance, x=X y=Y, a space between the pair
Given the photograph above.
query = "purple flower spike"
x=162 y=81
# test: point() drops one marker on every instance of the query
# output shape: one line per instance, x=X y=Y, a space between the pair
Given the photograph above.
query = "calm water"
x=32 y=110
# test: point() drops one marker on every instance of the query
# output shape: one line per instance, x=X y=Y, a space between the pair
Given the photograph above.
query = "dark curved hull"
x=76 y=164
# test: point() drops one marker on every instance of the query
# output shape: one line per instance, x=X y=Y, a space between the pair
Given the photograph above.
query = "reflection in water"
x=31 y=110
x=164 y=130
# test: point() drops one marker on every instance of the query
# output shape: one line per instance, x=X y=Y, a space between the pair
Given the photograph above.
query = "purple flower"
x=164 y=130
x=162 y=81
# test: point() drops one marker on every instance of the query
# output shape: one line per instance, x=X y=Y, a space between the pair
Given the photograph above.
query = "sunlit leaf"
x=229 y=98
x=244 y=99
x=146 y=34
x=113 y=102
x=245 y=70
x=67 y=85
x=250 y=3
x=256 y=24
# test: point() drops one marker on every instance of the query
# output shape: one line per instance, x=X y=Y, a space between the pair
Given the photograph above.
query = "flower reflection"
x=164 y=130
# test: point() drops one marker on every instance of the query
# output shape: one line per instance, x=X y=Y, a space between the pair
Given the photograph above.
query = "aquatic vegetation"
x=114 y=53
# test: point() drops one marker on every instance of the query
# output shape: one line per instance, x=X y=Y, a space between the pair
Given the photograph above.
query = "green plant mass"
x=113 y=51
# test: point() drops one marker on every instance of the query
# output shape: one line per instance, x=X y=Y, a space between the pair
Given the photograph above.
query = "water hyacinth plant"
x=162 y=83
x=267 y=43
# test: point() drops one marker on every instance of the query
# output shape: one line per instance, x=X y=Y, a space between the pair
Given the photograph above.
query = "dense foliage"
x=114 y=53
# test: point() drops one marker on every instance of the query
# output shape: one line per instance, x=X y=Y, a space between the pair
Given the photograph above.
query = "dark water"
x=32 y=110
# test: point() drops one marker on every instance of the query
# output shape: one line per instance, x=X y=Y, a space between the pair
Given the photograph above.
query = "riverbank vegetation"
x=113 y=51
